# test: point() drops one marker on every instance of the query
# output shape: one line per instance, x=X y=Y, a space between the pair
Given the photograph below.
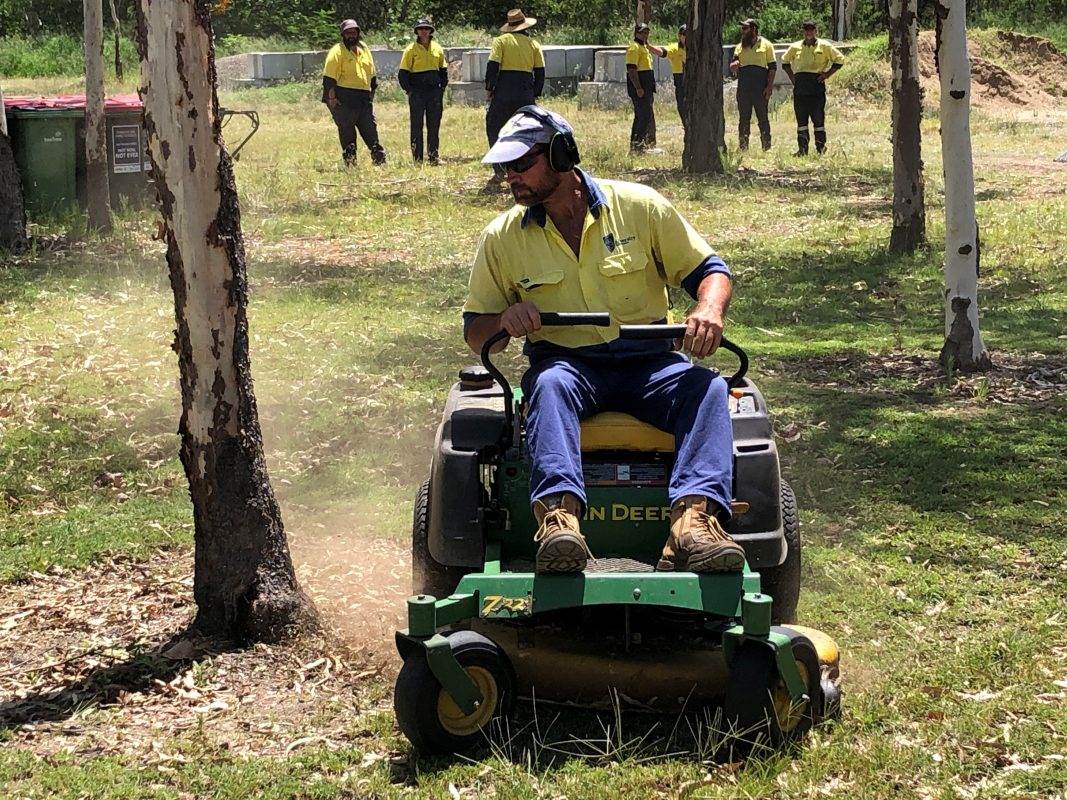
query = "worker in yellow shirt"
x=423 y=75
x=675 y=53
x=574 y=243
x=755 y=67
x=514 y=73
x=641 y=88
x=349 y=82
x=808 y=63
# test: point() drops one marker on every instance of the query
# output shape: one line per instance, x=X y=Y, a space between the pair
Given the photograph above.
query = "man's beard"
x=351 y=42
x=749 y=38
x=532 y=195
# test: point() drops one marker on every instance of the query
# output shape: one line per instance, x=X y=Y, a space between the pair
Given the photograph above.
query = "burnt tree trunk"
x=909 y=208
x=964 y=349
x=12 y=210
x=244 y=583
x=96 y=177
x=705 y=125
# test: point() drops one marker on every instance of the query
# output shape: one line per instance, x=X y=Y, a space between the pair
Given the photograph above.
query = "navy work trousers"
x=809 y=102
x=425 y=106
x=358 y=116
x=662 y=389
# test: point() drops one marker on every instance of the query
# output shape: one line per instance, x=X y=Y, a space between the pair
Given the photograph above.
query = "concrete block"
x=610 y=66
x=557 y=87
x=662 y=69
x=386 y=62
x=277 y=66
x=311 y=62
x=602 y=94
x=232 y=69
x=467 y=93
x=555 y=62
x=580 y=61
x=474 y=62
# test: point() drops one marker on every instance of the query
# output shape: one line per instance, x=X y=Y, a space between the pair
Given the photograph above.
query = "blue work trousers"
x=663 y=389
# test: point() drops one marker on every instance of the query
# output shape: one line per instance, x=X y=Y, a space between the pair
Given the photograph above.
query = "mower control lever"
x=600 y=320
x=678 y=332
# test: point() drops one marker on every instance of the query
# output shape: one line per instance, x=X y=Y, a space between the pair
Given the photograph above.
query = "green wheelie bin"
x=45 y=144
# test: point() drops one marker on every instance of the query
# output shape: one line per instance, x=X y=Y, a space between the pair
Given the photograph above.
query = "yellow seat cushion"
x=614 y=431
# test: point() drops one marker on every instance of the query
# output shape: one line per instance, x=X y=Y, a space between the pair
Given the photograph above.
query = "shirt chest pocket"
x=625 y=283
x=541 y=287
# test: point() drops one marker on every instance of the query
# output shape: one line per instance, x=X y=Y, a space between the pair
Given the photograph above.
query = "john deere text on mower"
x=483 y=627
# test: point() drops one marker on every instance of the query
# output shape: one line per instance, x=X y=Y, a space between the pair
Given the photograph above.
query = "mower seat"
x=614 y=431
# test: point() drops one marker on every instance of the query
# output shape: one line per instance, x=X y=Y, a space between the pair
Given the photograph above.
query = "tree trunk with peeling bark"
x=909 y=209
x=963 y=349
x=96 y=177
x=705 y=125
x=244 y=583
x=12 y=210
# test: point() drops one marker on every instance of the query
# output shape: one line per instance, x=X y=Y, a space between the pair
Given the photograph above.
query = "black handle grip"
x=600 y=319
x=678 y=332
x=651 y=331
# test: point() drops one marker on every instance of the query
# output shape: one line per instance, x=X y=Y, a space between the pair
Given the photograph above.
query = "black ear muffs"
x=563 y=153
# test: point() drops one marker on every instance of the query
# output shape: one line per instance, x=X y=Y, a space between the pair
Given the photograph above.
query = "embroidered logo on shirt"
x=609 y=242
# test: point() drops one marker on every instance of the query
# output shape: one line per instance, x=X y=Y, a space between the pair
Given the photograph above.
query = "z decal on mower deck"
x=496 y=605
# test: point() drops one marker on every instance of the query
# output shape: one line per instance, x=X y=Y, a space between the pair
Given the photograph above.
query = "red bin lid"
x=118 y=102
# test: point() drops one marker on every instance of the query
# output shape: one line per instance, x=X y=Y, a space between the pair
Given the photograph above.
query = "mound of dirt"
x=1007 y=69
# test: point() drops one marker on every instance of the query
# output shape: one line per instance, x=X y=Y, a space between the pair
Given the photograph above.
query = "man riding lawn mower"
x=539 y=527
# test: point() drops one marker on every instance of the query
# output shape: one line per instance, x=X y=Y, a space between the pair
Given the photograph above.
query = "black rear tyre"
x=427 y=575
x=782 y=583
x=757 y=710
x=426 y=714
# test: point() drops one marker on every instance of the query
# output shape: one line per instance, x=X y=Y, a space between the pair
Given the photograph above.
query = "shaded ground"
x=90 y=667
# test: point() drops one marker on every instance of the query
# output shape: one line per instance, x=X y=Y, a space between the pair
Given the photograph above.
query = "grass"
x=932 y=512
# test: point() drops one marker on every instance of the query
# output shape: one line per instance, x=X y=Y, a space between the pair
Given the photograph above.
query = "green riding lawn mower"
x=484 y=628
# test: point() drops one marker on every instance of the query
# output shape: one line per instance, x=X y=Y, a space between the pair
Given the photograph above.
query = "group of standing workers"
x=515 y=77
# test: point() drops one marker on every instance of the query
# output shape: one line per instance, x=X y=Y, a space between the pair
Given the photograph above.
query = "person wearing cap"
x=675 y=53
x=514 y=73
x=573 y=243
x=349 y=82
x=809 y=63
x=755 y=67
x=641 y=88
x=423 y=75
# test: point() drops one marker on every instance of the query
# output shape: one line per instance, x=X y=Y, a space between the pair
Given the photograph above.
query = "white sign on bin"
x=126 y=148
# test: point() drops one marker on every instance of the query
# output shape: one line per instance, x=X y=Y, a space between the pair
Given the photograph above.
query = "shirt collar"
x=597 y=201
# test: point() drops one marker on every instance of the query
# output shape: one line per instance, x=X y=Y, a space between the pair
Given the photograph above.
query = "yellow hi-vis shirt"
x=350 y=70
x=417 y=58
x=761 y=54
x=638 y=55
x=516 y=53
x=812 y=58
x=634 y=245
x=676 y=55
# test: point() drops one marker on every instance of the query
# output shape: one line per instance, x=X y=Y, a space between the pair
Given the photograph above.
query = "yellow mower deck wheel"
x=454 y=720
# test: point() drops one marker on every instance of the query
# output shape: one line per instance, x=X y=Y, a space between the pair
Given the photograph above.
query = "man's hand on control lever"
x=704 y=327
x=521 y=319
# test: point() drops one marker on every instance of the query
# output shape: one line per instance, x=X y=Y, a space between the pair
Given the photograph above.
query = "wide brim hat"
x=517 y=21
x=349 y=25
x=425 y=23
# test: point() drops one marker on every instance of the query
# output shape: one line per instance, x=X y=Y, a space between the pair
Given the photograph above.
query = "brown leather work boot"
x=562 y=546
x=698 y=542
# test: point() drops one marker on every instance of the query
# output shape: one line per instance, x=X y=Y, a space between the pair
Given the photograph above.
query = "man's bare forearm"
x=715 y=292
x=631 y=74
x=484 y=327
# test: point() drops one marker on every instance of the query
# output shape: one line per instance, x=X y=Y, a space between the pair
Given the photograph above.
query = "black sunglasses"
x=525 y=162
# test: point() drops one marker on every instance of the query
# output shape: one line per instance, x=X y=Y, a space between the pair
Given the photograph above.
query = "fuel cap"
x=475 y=377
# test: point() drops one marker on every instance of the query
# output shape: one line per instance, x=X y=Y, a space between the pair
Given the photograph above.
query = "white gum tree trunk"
x=909 y=211
x=963 y=348
x=96 y=177
x=244 y=583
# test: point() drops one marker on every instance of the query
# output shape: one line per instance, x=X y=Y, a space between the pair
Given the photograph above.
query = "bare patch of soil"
x=87 y=666
x=1015 y=71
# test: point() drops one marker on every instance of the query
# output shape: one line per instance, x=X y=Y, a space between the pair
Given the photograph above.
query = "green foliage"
x=57 y=55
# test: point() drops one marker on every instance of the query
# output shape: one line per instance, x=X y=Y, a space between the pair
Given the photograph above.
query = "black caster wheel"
x=430 y=718
x=758 y=710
